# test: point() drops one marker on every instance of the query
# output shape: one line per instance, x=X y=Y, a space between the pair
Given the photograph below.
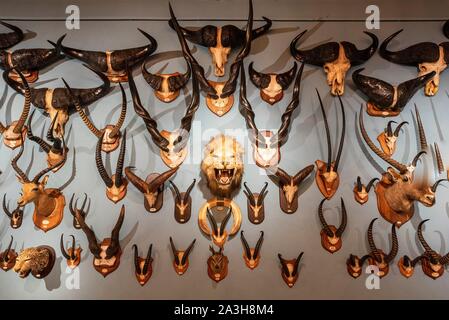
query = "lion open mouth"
x=224 y=176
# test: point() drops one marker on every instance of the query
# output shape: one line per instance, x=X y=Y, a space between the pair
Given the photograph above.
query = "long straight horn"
x=187 y=253
x=246 y=246
x=147 y=259
x=175 y=252
x=160 y=180
x=421 y=132
x=178 y=194
x=439 y=159
x=249 y=194
x=26 y=106
x=394 y=245
x=258 y=245
x=326 y=227
x=14 y=165
x=120 y=161
x=328 y=136
x=43 y=144
x=262 y=194
x=90 y=234
x=136 y=258
x=115 y=241
x=118 y=126
x=99 y=162
x=225 y=221
x=344 y=220
x=342 y=139
x=63 y=251
x=189 y=190
x=296 y=265
x=213 y=222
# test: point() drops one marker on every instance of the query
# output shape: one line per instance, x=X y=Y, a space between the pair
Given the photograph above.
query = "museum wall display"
x=251 y=154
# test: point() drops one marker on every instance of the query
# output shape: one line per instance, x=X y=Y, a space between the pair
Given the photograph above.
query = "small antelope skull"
x=181 y=258
x=361 y=191
x=289 y=269
x=143 y=268
x=15 y=217
x=251 y=255
x=219 y=233
x=72 y=255
x=217 y=265
x=183 y=203
x=256 y=209
x=388 y=138
x=330 y=235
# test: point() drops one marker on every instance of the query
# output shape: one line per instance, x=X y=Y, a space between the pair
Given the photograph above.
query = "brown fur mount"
x=38 y=261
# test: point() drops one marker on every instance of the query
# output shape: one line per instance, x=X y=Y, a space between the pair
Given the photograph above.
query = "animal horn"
x=283 y=264
x=147 y=259
x=14 y=165
x=246 y=246
x=90 y=234
x=389 y=129
x=10 y=39
x=344 y=220
x=175 y=254
x=195 y=36
x=302 y=174
x=416 y=158
x=136 y=258
x=258 y=245
x=26 y=106
x=116 y=131
x=249 y=194
x=283 y=176
x=356 y=56
x=160 y=180
x=88 y=96
x=394 y=245
x=5 y=207
x=225 y=220
x=342 y=139
x=89 y=57
x=436 y=184
x=5 y=257
x=260 y=80
x=256 y=33
x=328 y=136
x=99 y=162
x=370 y=184
x=424 y=243
x=438 y=158
x=213 y=222
x=63 y=251
x=398 y=128
x=43 y=144
x=296 y=265
x=326 y=227
x=178 y=194
x=187 y=253
x=399 y=166
x=286 y=78
x=120 y=161
x=189 y=190
x=154 y=80
x=378 y=91
x=50 y=136
x=262 y=194
x=371 y=242
x=135 y=180
x=315 y=55
x=422 y=133
x=359 y=184
x=115 y=241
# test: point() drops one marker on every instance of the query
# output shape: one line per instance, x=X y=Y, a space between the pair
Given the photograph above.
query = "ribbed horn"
x=372 y=244
x=26 y=106
x=439 y=159
x=394 y=245
x=421 y=132
x=16 y=168
x=99 y=162
x=120 y=162
x=424 y=243
x=118 y=126
x=436 y=184
x=91 y=238
x=359 y=184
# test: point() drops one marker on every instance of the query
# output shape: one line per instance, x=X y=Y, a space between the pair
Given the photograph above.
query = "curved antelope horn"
x=439 y=160
x=259 y=79
x=115 y=241
x=5 y=207
x=175 y=254
x=424 y=243
x=213 y=222
x=372 y=244
x=284 y=265
x=147 y=259
x=189 y=190
x=90 y=234
x=371 y=183
x=399 y=166
x=249 y=194
x=154 y=80
x=436 y=184
x=413 y=55
x=342 y=138
x=302 y=174
x=286 y=78
x=194 y=36
x=120 y=161
x=71 y=208
x=43 y=144
x=10 y=39
x=133 y=55
x=187 y=252
x=118 y=126
x=178 y=194
x=398 y=128
x=5 y=257
x=197 y=69
x=150 y=123
x=73 y=246
x=344 y=220
x=296 y=265
x=256 y=33
x=17 y=86
x=63 y=251
x=258 y=245
x=263 y=193
x=136 y=258
x=224 y=222
x=26 y=106
x=246 y=246
x=359 y=184
x=315 y=55
x=394 y=245
x=88 y=96
x=48 y=169
x=389 y=130
x=416 y=158
x=89 y=57
x=135 y=180
x=283 y=176
x=328 y=136
x=160 y=180
x=422 y=133
x=50 y=136
x=326 y=227
x=14 y=165
x=357 y=56
x=99 y=162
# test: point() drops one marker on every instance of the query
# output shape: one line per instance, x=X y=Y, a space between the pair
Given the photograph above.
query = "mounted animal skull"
x=8 y=257
x=57 y=102
x=152 y=187
x=217 y=265
x=272 y=85
x=266 y=144
x=183 y=203
x=335 y=58
x=289 y=269
x=10 y=39
x=38 y=261
x=112 y=134
x=330 y=235
x=361 y=191
x=289 y=188
x=388 y=138
x=426 y=56
x=384 y=99
x=15 y=217
x=113 y=63
x=56 y=151
x=255 y=203
x=72 y=255
x=219 y=234
x=397 y=190
x=116 y=186
x=375 y=257
x=28 y=61
x=74 y=210
x=48 y=202
x=251 y=255
x=143 y=268
x=327 y=177
x=14 y=133
x=181 y=258
x=106 y=253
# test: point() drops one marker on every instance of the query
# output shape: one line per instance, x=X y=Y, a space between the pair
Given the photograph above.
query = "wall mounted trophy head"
x=327 y=176
x=361 y=191
x=72 y=254
x=83 y=211
x=272 y=85
x=113 y=63
x=143 y=268
x=255 y=204
x=331 y=235
x=428 y=57
x=8 y=257
x=384 y=99
x=16 y=216
x=183 y=203
x=251 y=256
x=10 y=39
x=152 y=187
x=38 y=261
x=335 y=58
x=117 y=184
x=180 y=257
x=108 y=252
x=388 y=138
x=289 y=269
x=49 y=203
x=14 y=133
x=57 y=102
x=217 y=265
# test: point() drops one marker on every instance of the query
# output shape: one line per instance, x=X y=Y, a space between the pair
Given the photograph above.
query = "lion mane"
x=31 y=260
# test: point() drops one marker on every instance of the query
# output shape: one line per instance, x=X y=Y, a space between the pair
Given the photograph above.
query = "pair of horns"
x=329 y=51
x=394 y=243
x=184 y=198
x=286 y=179
x=262 y=80
x=10 y=39
x=389 y=129
x=186 y=254
x=94 y=247
x=326 y=228
x=72 y=255
x=175 y=82
x=368 y=186
x=284 y=264
x=256 y=248
x=144 y=269
x=73 y=206
x=250 y=195
x=154 y=185
x=218 y=231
